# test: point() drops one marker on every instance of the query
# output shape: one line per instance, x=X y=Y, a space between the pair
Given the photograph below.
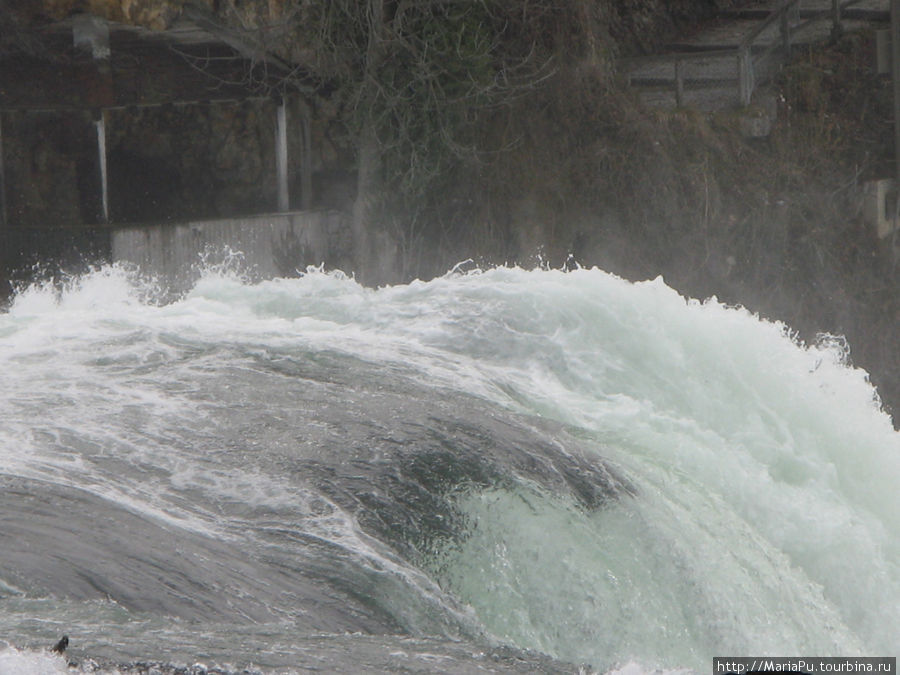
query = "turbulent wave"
x=512 y=468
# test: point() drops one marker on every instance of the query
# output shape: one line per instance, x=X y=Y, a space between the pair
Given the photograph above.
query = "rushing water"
x=503 y=471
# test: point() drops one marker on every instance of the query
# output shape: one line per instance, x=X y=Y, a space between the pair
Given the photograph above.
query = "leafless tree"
x=414 y=77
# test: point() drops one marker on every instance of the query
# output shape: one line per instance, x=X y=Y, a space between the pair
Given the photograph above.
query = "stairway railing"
x=750 y=58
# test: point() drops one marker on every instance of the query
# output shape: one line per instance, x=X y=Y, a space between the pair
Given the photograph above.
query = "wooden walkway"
x=724 y=63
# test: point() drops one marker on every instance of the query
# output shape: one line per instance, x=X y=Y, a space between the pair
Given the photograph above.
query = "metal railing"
x=751 y=59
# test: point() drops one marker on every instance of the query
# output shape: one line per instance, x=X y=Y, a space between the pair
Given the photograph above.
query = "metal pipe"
x=281 y=157
x=100 y=123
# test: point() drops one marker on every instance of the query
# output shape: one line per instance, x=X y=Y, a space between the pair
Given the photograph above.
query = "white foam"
x=28 y=662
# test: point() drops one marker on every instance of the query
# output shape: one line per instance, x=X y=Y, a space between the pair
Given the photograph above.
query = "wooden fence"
x=752 y=61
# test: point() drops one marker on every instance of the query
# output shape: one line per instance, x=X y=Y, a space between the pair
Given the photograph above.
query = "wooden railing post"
x=837 y=28
x=679 y=82
x=745 y=74
x=785 y=32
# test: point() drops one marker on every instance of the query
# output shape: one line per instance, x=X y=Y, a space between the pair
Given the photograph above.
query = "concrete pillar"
x=4 y=223
x=879 y=201
x=5 y=256
x=100 y=123
x=281 y=156
x=895 y=77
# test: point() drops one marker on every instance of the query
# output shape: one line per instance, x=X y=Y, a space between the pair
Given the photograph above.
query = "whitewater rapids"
x=504 y=470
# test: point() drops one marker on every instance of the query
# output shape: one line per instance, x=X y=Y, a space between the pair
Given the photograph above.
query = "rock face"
x=176 y=162
x=153 y=14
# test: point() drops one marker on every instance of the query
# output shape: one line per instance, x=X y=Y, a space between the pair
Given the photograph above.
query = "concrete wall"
x=274 y=245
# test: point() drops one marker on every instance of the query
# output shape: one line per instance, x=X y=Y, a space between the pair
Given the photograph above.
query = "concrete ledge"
x=270 y=245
